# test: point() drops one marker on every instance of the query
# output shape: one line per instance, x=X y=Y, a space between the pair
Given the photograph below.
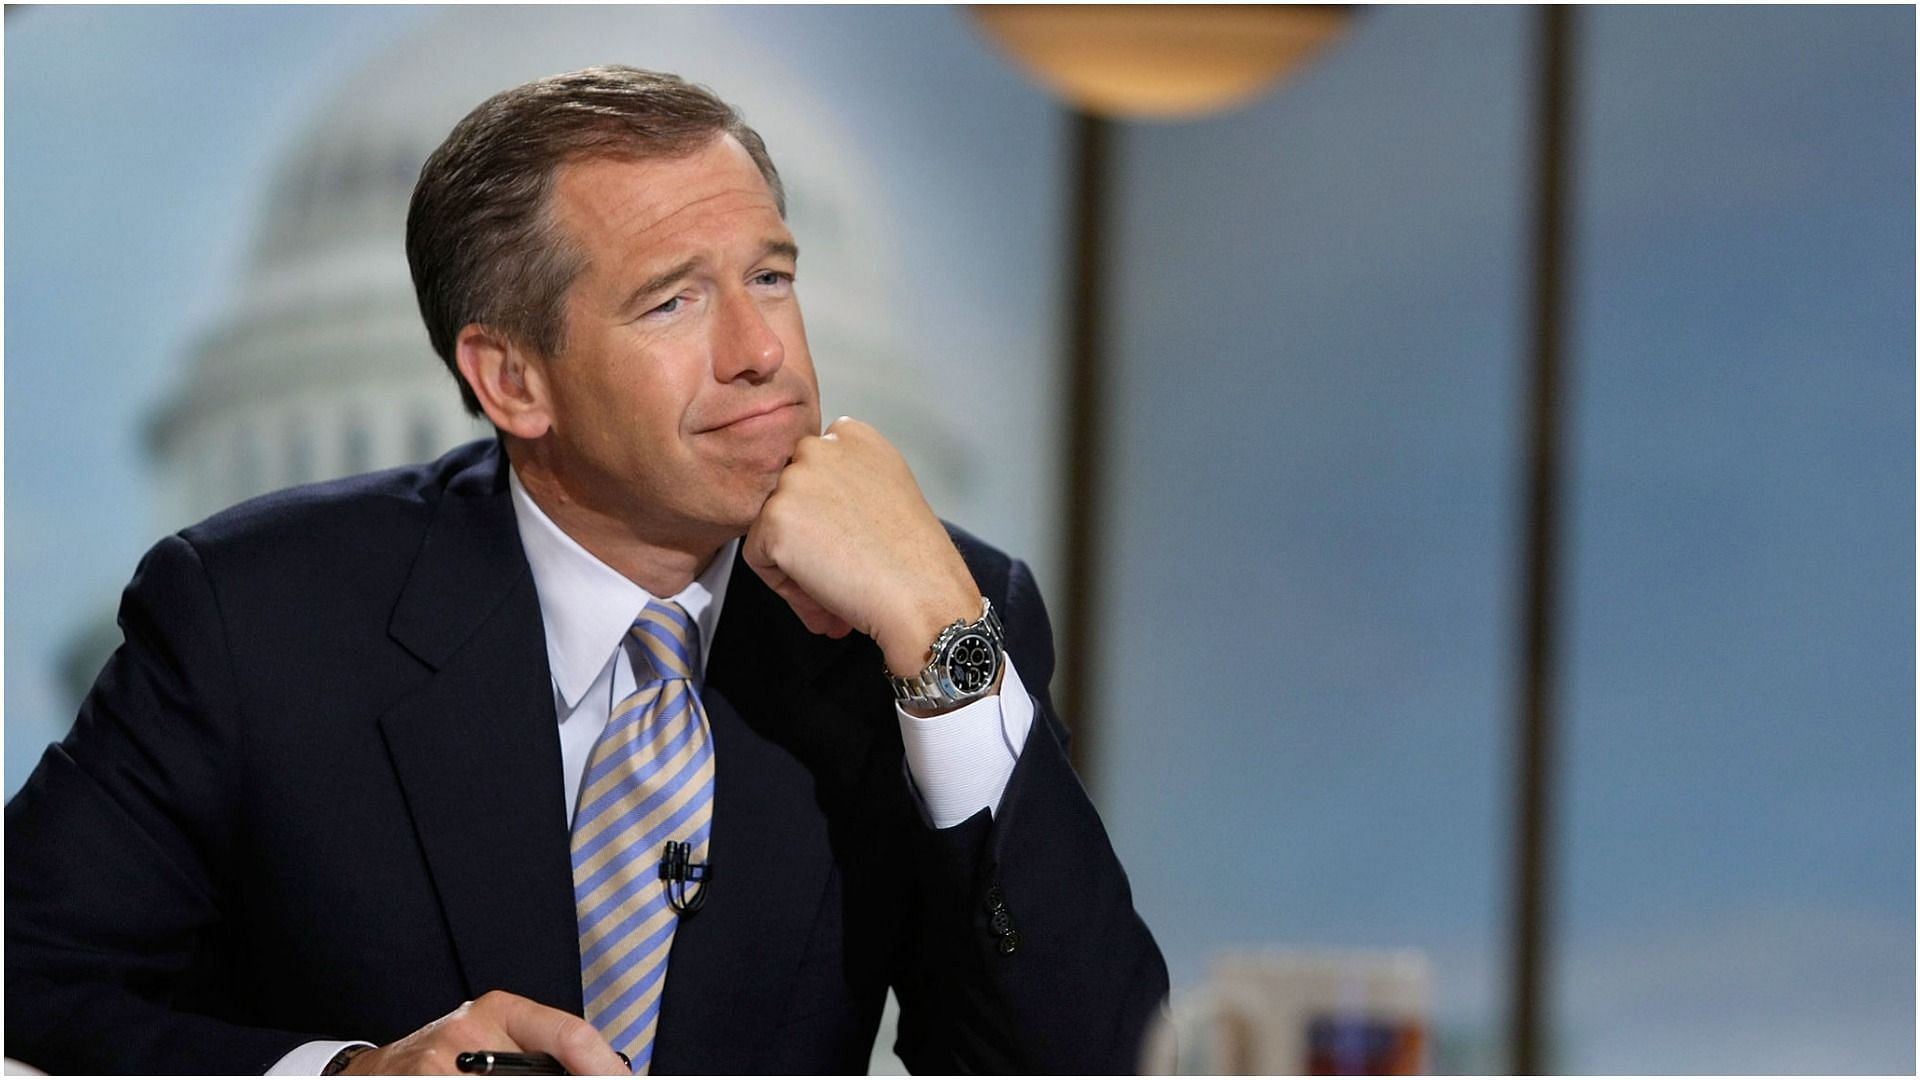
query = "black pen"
x=505 y=1063
x=509 y=1063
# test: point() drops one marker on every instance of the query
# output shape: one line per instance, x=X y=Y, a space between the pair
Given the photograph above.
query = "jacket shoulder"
x=361 y=528
x=330 y=517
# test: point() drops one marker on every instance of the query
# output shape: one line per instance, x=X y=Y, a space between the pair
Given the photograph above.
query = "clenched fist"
x=848 y=541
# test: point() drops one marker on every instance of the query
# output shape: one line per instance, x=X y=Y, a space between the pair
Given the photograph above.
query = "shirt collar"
x=587 y=606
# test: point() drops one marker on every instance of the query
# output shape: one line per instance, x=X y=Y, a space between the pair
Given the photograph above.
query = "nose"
x=749 y=348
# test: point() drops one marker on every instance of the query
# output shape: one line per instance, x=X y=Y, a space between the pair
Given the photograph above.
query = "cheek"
x=652 y=411
x=800 y=365
x=793 y=336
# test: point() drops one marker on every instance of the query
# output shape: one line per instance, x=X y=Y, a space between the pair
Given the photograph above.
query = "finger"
x=816 y=617
x=578 y=1044
x=813 y=614
x=753 y=550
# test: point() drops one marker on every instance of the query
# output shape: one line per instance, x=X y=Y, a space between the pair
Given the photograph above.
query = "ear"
x=509 y=381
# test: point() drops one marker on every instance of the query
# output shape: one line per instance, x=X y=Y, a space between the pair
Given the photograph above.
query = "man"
x=315 y=815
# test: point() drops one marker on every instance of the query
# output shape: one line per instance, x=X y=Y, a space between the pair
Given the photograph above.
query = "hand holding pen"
x=521 y=1026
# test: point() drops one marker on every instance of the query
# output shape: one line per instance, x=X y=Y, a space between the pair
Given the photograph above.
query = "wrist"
x=907 y=645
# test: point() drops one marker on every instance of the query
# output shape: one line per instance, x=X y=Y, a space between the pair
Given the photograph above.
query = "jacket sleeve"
x=116 y=850
x=1029 y=955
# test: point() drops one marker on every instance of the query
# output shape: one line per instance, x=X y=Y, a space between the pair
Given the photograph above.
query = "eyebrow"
x=667 y=277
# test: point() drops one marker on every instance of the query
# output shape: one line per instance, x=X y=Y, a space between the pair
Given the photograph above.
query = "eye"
x=672 y=307
x=772 y=278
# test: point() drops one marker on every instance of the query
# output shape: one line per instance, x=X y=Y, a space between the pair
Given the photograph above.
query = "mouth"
x=753 y=420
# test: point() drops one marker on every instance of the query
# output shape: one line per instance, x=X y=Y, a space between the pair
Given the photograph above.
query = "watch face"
x=972 y=662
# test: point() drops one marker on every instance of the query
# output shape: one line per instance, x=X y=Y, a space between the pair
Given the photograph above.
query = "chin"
x=741 y=495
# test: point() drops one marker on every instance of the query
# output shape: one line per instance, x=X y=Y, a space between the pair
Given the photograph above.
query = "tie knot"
x=667 y=640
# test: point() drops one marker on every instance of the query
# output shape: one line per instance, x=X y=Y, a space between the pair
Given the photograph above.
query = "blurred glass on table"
x=1299 y=1012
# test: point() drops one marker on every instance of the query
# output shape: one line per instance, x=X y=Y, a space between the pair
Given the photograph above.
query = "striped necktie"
x=649 y=780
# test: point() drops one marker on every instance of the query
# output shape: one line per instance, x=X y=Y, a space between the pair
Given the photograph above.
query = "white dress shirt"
x=956 y=762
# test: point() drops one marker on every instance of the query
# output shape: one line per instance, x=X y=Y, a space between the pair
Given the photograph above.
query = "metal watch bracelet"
x=935 y=687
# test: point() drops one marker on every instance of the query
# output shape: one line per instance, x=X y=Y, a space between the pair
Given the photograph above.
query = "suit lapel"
x=781 y=745
x=477 y=751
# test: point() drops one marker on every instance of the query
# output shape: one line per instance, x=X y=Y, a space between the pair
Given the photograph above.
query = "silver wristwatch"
x=967 y=658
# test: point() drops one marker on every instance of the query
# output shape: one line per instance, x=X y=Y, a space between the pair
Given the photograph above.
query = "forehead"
x=623 y=210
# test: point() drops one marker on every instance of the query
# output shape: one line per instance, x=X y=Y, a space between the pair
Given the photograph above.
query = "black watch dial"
x=972 y=662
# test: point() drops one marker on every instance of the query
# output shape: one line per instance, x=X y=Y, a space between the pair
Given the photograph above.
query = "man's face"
x=685 y=381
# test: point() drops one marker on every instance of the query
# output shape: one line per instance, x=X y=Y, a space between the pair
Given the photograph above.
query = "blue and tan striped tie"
x=649 y=780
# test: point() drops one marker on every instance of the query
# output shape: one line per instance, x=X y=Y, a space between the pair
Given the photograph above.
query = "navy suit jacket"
x=317 y=794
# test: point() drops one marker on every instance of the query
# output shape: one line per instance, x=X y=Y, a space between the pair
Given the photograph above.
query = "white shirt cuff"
x=308 y=1059
x=961 y=761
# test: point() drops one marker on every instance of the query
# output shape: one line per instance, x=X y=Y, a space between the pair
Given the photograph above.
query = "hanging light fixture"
x=1159 y=61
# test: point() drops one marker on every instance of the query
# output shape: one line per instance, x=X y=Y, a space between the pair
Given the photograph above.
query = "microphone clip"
x=677 y=871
